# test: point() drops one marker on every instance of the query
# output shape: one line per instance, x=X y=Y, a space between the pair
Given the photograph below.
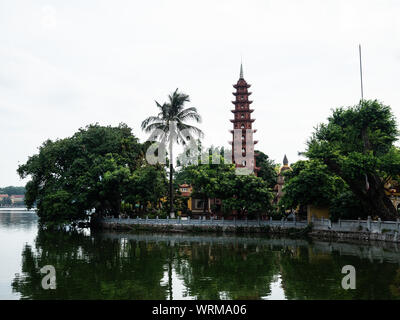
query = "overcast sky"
x=66 y=64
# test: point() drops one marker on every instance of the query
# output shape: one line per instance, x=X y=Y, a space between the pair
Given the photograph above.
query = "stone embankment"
x=343 y=230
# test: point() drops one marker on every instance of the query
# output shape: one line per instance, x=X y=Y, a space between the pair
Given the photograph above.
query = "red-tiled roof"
x=3 y=195
x=15 y=196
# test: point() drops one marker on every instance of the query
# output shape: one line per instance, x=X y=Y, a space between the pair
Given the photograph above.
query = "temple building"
x=392 y=190
x=243 y=143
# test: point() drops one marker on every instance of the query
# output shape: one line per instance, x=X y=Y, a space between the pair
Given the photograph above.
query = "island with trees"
x=351 y=166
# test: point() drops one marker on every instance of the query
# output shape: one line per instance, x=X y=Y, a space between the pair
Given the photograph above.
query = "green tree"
x=93 y=169
x=210 y=180
x=248 y=195
x=267 y=168
x=245 y=194
x=170 y=122
x=310 y=182
x=357 y=144
x=147 y=186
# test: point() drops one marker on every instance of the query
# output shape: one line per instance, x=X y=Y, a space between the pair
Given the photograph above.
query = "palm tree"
x=170 y=121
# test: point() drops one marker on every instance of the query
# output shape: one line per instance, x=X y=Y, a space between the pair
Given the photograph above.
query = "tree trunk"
x=374 y=200
x=205 y=206
x=171 y=191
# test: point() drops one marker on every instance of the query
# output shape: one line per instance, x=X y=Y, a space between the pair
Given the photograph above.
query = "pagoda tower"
x=243 y=143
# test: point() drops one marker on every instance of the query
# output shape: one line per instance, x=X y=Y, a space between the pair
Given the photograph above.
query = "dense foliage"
x=268 y=171
x=244 y=194
x=311 y=182
x=98 y=168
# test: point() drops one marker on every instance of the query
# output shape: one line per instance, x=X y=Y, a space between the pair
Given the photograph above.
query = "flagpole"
x=361 y=74
x=362 y=100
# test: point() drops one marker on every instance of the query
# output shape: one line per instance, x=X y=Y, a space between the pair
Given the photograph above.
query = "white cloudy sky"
x=65 y=64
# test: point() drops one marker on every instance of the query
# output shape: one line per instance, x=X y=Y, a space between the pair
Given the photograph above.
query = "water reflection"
x=170 y=266
x=17 y=228
x=20 y=219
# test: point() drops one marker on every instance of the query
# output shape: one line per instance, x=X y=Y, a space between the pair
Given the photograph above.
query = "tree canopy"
x=268 y=168
x=311 y=182
x=245 y=194
x=357 y=144
x=97 y=168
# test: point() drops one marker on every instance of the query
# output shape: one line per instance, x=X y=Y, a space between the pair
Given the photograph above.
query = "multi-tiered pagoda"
x=243 y=143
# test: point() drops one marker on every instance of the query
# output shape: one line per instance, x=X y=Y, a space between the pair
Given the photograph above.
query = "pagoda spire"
x=241 y=71
x=285 y=160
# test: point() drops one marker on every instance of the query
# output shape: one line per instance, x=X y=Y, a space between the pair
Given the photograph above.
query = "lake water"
x=103 y=265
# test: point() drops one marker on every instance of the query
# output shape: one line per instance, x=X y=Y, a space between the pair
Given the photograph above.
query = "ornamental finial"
x=285 y=161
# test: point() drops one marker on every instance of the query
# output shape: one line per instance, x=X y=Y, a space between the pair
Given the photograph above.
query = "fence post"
x=167 y=219
x=397 y=224
x=380 y=225
x=188 y=219
x=340 y=223
x=270 y=220
x=330 y=223
x=282 y=222
x=369 y=223
x=147 y=219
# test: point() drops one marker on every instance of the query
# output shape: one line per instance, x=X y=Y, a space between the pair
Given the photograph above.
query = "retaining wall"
x=364 y=230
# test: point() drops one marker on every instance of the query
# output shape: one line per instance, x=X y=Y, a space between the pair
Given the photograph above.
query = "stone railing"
x=208 y=222
x=369 y=225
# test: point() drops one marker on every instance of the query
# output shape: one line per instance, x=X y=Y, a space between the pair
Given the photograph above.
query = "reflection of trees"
x=395 y=286
x=309 y=275
x=130 y=266
x=239 y=271
x=92 y=268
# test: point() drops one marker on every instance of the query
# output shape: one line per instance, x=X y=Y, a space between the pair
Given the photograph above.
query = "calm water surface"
x=170 y=266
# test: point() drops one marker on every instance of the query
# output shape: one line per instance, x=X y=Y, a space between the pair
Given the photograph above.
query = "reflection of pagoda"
x=281 y=181
x=242 y=120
